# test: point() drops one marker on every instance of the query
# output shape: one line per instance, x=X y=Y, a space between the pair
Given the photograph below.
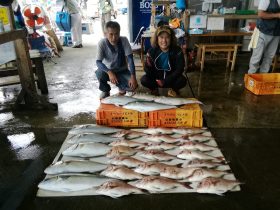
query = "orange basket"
x=112 y=115
x=263 y=84
x=186 y=116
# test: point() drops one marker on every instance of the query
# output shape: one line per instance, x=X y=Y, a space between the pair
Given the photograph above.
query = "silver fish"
x=197 y=163
x=201 y=173
x=129 y=162
x=192 y=154
x=66 y=183
x=116 y=189
x=120 y=172
x=176 y=101
x=157 y=184
x=74 y=166
x=155 y=155
x=155 y=131
x=159 y=146
x=90 y=137
x=124 y=142
x=190 y=145
x=216 y=185
x=163 y=138
x=147 y=106
x=151 y=168
x=200 y=138
x=121 y=151
x=93 y=128
x=87 y=150
x=144 y=96
x=185 y=131
x=174 y=172
x=128 y=134
x=118 y=100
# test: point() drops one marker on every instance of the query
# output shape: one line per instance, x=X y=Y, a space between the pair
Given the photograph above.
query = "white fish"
x=197 y=163
x=159 y=146
x=120 y=172
x=155 y=131
x=128 y=134
x=87 y=150
x=144 y=96
x=157 y=184
x=121 y=151
x=129 y=162
x=176 y=101
x=74 y=166
x=216 y=185
x=66 y=183
x=190 y=145
x=118 y=100
x=93 y=128
x=116 y=189
x=201 y=173
x=186 y=131
x=192 y=154
x=200 y=138
x=150 y=168
x=124 y=142
x=162 y=138
x=147 y=106
x=155 y=155
x=174 y=172
x=90 y=137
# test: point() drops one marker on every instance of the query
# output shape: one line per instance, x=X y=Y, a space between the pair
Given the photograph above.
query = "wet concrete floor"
x=246 y=127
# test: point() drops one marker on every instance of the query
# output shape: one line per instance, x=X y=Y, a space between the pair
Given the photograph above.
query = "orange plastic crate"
x=186 y=116
x=112 y=115
x=263 y=84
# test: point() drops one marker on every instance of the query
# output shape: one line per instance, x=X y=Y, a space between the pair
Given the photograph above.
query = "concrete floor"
x=245 y=126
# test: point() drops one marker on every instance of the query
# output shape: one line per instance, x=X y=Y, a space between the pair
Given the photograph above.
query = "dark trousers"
x=176 y=85
x=122 y=76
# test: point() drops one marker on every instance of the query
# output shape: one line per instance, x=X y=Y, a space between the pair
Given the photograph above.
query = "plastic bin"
x=186 y=116
x=263 y=84
x=112 y=115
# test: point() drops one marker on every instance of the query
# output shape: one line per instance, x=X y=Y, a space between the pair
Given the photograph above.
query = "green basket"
x=246 y=12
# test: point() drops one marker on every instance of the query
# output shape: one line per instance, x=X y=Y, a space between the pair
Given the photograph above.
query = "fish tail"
x=187 y=185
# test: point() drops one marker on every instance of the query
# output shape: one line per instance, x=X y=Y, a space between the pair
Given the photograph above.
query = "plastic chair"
x=136 y=45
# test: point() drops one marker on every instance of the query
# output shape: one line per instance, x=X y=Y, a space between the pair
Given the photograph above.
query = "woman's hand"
x=112 y=77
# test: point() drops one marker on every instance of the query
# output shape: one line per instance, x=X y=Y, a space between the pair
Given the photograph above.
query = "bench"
x=230 y=49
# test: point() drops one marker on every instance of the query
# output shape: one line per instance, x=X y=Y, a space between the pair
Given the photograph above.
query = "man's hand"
x=133 y=82
x=112 y=77
x=160 y=82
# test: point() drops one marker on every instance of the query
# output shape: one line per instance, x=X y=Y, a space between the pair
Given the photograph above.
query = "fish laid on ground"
x=129 y=162
x=87 y=150
x=118 y=100
x=175 y=101
x=124 y=142
x=75 y=166
x=120 y=151
x=90 y=137
x=200 y=138
x=144 y=96
x=93 y=128
x=157 y=184
x=121 y=172
x=155 y=131
x=66 y=183
x=155 y=155
x=128 y=134
x=198 y=163
x=159 y=146
x=162 y=138
x=116 y=189
x=150 y=168
x=216 y=185
x=147 y=106
x=201 y=173
x=174 y=172
x=192 y=154
x=186 y=131
x=191 y=145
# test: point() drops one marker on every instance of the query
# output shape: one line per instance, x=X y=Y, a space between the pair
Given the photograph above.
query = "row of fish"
x=138 y=161
x=146 y=103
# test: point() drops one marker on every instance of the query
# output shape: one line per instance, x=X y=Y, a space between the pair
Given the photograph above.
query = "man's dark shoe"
x=104 y=95
x=78 y=46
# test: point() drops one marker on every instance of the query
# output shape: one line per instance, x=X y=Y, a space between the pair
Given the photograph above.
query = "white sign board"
x=198 y=21
x=213 y=1
x=215 y=23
